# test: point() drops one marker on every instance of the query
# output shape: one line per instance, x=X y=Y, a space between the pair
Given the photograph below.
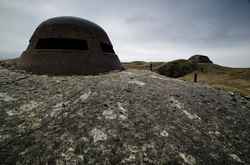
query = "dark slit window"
x=62 y=43
x=107 y=48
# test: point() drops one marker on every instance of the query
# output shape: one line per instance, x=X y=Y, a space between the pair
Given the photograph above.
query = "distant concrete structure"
x=200 y=59
x=69 y=45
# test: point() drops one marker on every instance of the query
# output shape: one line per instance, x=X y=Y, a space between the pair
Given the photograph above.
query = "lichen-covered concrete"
x=130 y=117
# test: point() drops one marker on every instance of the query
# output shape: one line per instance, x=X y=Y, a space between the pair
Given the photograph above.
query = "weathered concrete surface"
x=92 y=59
x=130 y=117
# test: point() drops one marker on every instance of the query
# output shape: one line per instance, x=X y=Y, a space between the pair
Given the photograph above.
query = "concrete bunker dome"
x=69 y=45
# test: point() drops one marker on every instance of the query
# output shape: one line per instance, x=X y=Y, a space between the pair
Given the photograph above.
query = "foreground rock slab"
x=130 y=117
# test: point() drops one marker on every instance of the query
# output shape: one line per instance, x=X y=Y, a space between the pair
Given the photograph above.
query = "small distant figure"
x=195 y=77
x=151 y=66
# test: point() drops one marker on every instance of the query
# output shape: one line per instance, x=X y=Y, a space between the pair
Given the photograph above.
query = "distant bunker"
x=69 y=45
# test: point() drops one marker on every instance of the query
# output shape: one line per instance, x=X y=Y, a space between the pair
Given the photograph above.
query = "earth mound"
x=129 y=117
x=176 y=68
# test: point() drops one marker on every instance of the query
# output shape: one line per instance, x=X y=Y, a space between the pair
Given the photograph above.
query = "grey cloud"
x=142 y=29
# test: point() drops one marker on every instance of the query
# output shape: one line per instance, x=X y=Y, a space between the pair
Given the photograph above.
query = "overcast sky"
x=146 y=30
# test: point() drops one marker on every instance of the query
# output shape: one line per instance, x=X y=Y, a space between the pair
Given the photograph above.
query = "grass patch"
x=226 y=78
x=141 y=65
x=229 y=79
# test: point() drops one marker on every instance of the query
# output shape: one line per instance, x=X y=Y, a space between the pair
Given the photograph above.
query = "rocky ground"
x=129 y=117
